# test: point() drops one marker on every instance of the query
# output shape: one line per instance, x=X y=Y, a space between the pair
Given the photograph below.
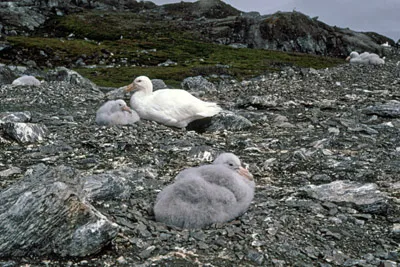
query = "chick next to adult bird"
x=207 y=194
x=115 y=112
x=171 y=107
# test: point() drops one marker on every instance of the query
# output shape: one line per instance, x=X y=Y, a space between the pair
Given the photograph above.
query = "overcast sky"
x=381 y=16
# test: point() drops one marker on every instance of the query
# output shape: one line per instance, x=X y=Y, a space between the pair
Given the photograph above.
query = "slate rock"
x=198 y=83
x=10 y=171
x=118 y=93
x=202 y=153
x=365 y=197
x=158 y=84
x=55 y=148
x=24 y=116
x=389 y=110
x=255 y=256
x=388 y=264
x=259 y=102
x=168 y=63
x=396 y=231
x=66 y=75
x=46 y=213
x=225 y=120
x=354 y=126
x=6 y=75
x=114 y=184
x=25 y=132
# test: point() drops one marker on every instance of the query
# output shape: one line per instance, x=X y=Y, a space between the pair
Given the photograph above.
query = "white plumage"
x=172 y=107
x=365 y=58
x=26 y=80
x=115 y=112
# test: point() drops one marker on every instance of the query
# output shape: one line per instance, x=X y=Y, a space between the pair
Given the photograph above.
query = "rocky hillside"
x=207 y=20
x=323 y=146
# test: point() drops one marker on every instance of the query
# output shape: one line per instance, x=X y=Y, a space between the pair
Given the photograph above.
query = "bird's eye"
x=139 y=81
x=231 y=164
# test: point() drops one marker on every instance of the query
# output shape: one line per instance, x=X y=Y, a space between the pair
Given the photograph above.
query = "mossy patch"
x=134 y=46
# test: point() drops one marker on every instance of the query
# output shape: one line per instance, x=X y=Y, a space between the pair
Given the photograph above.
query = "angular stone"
x=25 y=132
x=365 y=197
x=113 y=184
x=396 y=231
x=24 y=116
x=259 y=102
x=66 y=75
x=388 y=264
x=6 y=75
x=255 y=257
x=158 y=84
x=45 y=213
x=147 y=252
x=118 y=93
x=10 y=171
x=225 y=120
x=390 y=109
x=230 y=121
x=354 y=126
x=198 y=83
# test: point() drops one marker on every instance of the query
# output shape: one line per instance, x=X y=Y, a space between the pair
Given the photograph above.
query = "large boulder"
x=46 y=213
x=296 y=32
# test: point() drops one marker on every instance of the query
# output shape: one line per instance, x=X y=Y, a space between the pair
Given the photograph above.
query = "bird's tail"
x=210 y=110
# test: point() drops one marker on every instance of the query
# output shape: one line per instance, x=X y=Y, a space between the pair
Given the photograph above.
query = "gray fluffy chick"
x=115 y=112
x=207 y=194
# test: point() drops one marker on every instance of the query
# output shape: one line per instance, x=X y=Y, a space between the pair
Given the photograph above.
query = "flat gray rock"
x=114 y=184
x=24 y=116
x=25 y=132
x=390 y=109
x=6 y=75
x=365 y=197
x=225 y=120
x=70 y=76
x=46 y=213
x=197 y=83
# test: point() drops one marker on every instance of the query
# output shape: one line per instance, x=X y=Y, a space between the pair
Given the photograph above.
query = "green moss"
x=147 y=45
x=55 y=46
x=117 y=77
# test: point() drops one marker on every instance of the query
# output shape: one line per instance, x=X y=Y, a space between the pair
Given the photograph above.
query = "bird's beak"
x=348 y=58
x=245 y=173
x=130 y=87
x=127 y=109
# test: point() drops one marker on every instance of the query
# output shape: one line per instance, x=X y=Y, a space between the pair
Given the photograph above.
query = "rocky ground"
x=324 y=148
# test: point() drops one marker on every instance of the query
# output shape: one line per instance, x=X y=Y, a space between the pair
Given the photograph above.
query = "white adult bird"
x=26 y=80
x=172 y=107
x=365 y=58
x=115 y=112
x=207 y=194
